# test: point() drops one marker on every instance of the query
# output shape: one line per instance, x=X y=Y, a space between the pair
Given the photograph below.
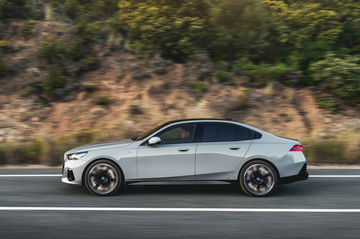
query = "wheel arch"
x=99 y=159
x=261 y=159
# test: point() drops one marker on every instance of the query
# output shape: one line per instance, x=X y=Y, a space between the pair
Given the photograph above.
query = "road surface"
x=35 y=204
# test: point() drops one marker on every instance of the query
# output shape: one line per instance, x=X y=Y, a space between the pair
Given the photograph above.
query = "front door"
x=171 y=159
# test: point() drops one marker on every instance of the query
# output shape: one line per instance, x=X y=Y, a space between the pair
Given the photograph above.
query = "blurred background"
x=74 y=72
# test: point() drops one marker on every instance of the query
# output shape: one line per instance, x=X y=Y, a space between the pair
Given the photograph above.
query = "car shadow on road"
x=297 y=189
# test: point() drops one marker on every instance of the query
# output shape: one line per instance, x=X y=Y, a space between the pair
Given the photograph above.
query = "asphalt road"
x=315 y=193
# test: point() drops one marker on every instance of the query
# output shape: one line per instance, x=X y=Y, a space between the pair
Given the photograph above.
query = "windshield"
x=143 y=136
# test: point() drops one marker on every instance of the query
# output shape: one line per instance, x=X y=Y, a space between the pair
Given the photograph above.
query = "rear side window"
x=217 y=132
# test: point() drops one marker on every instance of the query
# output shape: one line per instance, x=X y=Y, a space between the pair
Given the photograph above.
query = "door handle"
x=183 y=150
x=234 y=148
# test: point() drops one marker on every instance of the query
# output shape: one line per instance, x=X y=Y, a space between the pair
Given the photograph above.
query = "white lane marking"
x=30 y=175
x=149 y=209
x=334 y=176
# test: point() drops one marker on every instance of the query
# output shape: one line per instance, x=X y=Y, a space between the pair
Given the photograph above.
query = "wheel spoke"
x=259 y=179
x=103 y=178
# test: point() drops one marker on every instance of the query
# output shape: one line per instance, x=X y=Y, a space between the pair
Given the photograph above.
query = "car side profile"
x=191 y=150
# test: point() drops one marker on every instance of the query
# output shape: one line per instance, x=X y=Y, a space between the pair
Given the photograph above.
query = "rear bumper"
x=303 y=175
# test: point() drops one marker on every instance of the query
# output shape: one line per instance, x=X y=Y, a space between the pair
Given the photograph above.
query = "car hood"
x=88 y=147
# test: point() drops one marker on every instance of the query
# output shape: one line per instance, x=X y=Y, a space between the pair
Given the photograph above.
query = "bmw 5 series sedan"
x=189 y=150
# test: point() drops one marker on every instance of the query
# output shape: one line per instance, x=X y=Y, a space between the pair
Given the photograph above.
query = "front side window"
x=217 y=132
x=183 y=133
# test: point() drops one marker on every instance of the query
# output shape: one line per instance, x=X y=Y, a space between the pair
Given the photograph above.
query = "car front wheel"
x=258 y=178
x=103 y=178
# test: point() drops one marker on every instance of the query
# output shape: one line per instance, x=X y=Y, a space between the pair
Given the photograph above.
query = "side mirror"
x=154 y=140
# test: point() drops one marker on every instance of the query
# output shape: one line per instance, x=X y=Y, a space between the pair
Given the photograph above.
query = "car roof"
x=198 y=119
x=212 y=119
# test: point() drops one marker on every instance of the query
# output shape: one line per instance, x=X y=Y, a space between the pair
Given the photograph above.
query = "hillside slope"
x=119 y=93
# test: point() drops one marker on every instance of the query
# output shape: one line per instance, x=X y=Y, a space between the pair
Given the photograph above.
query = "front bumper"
x=303 y=175
x=72 y=171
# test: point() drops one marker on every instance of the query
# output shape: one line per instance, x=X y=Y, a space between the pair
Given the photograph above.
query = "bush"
x=102 y=100
x=3 y=68
x=328 y=102
x=135 y=110
x=49 y=152
x=72 y=8
x=223 y=76
x=12 y=9
x=90 y=88
x=330 y=151
x=4 y=46
x=175 y=28
x=58 y=146
x=52 y=51
x=339 y=76
x=26 y=29
x=262 y=73
x=29 y=152
x=242 y=101
x=52 y=81
x=241 y=27
x=199 y=86
x=159 y=88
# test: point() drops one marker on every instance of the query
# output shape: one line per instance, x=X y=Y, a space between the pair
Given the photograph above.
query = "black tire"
x=258 y=178
x=104 y=174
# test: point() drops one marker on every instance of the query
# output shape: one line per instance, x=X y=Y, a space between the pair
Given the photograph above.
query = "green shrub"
x=339 y=76
x=52 y=51
x=135 y=110
x=175 y=28
x=73 y=8
x=13 y=9
x=241 y=27
x=89 y=32
x=5 y=45
x=262 y=73
x=52 y=81
x=49 y=152
x=223 y=76
x=159 y=88
x=242 y=100
x=330 y=151
x=199 y=86
x=90 y=87
x=328 y=102
x=26 y=29
x=3 y=159
x=58 y=146
x=3 y=68
x=29 y=152
x=102 y=100
x=84 y=137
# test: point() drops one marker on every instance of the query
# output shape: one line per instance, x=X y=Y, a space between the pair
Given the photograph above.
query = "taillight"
x=297 y=148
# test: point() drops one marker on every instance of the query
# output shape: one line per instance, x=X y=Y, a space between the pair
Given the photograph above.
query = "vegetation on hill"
x=251 y=44
x=273 y=37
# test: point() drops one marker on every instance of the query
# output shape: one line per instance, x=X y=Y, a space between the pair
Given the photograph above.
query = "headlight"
x=76 y=156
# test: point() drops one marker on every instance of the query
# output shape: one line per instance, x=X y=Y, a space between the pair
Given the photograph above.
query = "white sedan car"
x=189 y=150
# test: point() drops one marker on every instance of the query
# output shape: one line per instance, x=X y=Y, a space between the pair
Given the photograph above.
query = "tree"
x=175 y=28
x=339 y=76
x=12 y=8
x=241 y=29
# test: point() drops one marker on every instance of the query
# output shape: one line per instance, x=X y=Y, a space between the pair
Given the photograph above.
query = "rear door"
x=220 y=149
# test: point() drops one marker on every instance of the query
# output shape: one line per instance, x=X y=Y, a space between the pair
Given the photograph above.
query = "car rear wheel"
x=103 y=178
x=258 y=178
